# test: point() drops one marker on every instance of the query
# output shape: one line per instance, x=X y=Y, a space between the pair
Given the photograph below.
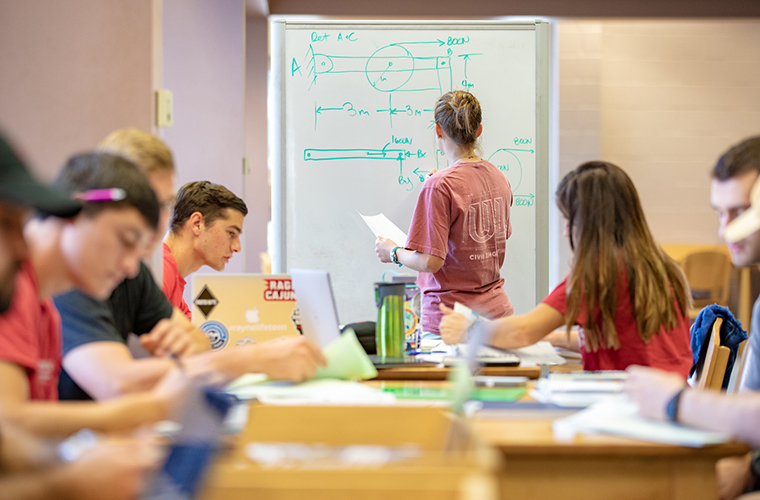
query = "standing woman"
x=630 y=299
x=458 y=235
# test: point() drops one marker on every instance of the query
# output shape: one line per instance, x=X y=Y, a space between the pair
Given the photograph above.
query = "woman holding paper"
x=629 y=298
x=458 y=234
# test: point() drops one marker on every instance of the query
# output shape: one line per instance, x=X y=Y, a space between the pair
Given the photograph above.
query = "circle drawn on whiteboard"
x=323 y=63
x=510 y=165
x=389 y=68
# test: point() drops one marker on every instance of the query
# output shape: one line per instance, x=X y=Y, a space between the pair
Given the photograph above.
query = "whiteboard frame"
x=278 y=125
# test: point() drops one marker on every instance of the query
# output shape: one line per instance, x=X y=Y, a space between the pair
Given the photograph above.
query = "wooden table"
x=538 y=466
x=678 y=252
x=442 y=373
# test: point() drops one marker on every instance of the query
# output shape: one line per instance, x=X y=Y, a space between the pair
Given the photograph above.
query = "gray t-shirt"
x=751 y=375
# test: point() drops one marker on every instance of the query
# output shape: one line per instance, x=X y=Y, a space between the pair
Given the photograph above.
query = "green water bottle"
x=390 y=333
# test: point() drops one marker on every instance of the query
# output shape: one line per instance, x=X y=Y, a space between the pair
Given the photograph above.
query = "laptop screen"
x=316 y=303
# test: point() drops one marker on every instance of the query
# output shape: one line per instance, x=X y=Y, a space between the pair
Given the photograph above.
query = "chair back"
x=714 y=368
x=709 y=277
x=740 y=365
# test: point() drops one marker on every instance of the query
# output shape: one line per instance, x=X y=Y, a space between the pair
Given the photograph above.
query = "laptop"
x=235 y=309
x=319 y=315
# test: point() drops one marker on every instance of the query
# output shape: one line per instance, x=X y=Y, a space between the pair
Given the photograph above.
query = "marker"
x=108 y=194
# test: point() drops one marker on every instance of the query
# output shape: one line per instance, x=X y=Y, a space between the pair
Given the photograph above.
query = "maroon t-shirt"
x=462 y=216
x=666 y=350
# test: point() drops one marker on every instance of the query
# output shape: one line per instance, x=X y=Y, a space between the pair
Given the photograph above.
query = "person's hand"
x=168 y=338
x=383 y=247
x=733 y=476
x=453 y=326
x=171 y=390
x=287 y=358
x=116 y=471
x=430 y=174
x=652 y=390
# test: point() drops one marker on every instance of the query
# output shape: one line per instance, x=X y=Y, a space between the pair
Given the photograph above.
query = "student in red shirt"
x=630 y=299
x=92 y=251
x=458 y=234
x=205 y=230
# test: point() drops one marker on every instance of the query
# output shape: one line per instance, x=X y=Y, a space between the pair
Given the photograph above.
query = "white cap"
x=748 y=221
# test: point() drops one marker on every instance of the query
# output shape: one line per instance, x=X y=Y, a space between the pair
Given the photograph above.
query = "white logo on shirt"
x=45 y=371
x=484 y=219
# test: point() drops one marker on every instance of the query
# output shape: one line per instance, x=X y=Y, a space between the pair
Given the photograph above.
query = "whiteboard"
x=351 y=131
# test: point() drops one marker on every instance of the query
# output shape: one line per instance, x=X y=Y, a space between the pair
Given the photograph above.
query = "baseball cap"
x=748 y=221
x=18 y=187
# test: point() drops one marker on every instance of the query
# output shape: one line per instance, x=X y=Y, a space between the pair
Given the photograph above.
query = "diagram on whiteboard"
x=403 y=66
x=393 y=86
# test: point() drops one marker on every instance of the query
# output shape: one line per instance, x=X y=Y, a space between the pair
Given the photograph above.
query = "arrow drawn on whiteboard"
x=440 y=43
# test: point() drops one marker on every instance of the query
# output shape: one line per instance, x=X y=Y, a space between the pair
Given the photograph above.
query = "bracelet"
x=671 y=409
x=394 y=256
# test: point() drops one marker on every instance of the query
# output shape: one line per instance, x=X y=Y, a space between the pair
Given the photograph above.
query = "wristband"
x=394 y=256
x=671 y=409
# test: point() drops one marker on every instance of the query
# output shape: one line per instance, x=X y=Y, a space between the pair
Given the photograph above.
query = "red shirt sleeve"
x=18 y=334
x=558 y=300
x=431 y=222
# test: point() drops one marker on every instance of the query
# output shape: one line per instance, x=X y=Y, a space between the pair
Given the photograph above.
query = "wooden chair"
x=742 y=358
x=709 y=277
x=714 y=368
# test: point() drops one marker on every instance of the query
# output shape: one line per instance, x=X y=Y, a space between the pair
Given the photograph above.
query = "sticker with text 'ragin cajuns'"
x=279 y=290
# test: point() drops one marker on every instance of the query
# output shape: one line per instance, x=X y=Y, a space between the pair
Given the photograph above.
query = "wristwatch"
x=671 y=409
x=394 y=256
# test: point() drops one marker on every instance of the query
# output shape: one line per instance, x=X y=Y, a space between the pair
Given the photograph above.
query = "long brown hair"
x=608 y=229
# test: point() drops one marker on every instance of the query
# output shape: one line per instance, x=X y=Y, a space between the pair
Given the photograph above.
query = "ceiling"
x=435 y=9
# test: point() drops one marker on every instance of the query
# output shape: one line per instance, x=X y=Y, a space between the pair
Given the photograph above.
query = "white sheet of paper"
x=540 y=353
x=619 y=416
x=313 y=392
x=382 y=226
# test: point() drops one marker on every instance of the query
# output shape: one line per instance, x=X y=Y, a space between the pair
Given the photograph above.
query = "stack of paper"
x=578 y=390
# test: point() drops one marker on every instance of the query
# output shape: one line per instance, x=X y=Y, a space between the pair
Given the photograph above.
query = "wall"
x=71 y=72
x=257 y=190
x=203 y=61
x=662 y=99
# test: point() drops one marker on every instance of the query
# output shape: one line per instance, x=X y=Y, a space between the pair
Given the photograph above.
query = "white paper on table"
x=382 y=226
x=314 y=392
x=540 y=353
x=619 y=416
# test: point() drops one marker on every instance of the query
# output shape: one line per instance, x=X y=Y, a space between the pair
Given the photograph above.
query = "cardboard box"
x=445 y=461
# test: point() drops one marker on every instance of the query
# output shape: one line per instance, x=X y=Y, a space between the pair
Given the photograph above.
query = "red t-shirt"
x=666 y=350
x=174 y=283
x=462 y=216
x=30 y=336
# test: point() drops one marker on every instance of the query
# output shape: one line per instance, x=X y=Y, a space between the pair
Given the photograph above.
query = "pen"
x=109 y=194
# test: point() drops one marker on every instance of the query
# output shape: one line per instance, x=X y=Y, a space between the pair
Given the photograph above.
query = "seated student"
x=31 y=470
x=630 y=299
x=737 y=203
x=205 y=231
x=97 y=363
x=29 y=467
x=93 y=251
